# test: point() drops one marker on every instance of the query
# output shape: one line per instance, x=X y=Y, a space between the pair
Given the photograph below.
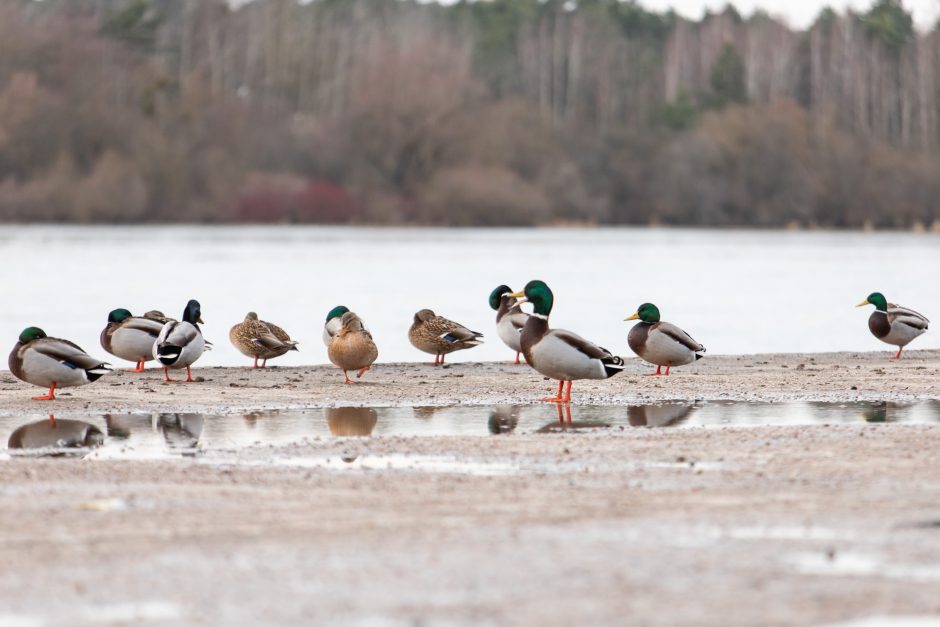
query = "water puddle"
x=143 y=436
x=853 y=564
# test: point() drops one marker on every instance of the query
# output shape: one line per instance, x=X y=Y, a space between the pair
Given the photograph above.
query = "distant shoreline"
x=933 y=229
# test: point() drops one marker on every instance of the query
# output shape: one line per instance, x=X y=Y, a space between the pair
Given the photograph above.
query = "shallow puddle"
x=141 y=436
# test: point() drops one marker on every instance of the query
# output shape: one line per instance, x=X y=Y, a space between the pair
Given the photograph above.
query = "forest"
x=491 y=112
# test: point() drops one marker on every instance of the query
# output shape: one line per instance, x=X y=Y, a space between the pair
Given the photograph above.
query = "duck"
x=352 y=348
x=260 y=339
x=439 y=336
x=509 y=318
x=155 y=314
x=53 y=363
x=557 y=353
x=131 y=337
x=56 y=434
x=661 y=343
x=334 y=322
x=180 y=344
x=351 y=421
x=894 y=324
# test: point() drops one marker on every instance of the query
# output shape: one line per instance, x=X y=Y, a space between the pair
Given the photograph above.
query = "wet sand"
x=771 y=377
x=700 y=526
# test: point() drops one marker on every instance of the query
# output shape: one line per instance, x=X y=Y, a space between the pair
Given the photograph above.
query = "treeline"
x=497 y=112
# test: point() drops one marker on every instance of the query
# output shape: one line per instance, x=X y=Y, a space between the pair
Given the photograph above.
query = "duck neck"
x=504 y=307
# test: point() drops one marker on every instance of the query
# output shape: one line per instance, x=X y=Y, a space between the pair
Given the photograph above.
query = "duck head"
x=496 y=296
x=540 y=295
x=337 y=312
x=423 y=316
x=351 y=322
x=193 y=312
x=647 y=312
x=877 y=299
x=31 y=333
x=119 y=315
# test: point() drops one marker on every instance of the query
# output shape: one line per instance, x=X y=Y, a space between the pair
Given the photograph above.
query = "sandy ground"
x=822 y=377
x=699 y=526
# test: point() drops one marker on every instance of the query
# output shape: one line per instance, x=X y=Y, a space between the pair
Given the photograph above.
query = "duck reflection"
x=181 y=431
x=120 y=427
x=351 y=421
x=503 y=419
x=565 y=423
x=660 y=415
x=56 y=434
x=252 y=417
x=426 y=412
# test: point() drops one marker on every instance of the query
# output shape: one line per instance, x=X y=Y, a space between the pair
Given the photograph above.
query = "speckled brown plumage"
x=352 y=347
x=439 y=336
x=259 y=339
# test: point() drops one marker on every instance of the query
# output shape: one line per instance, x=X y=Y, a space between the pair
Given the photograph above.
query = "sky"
x=799 y=13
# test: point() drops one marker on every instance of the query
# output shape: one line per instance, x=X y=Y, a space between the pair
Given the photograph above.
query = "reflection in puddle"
x=351 y=421
x=56 y=437
x=854 y=564
x=141 y=436
x=181 y=431
x=662 y=415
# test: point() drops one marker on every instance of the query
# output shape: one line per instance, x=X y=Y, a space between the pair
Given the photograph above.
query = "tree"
x=727 y=79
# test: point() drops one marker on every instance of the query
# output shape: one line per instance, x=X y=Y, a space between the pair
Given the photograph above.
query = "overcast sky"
x=798 y=13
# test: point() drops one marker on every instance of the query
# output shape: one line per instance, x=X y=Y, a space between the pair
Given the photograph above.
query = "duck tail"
x=167 y=354
x=613 y=365
x=97 y=372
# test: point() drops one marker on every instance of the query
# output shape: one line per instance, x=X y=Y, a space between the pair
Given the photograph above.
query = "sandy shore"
x=701 y=526
x=772 y=377
x=730 y=526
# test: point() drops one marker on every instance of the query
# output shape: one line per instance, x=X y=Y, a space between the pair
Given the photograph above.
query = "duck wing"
x=451 y=331
x=903 y=315
x=151 y=326
x=574 y=340
x=679 y=335
x=67 y=353
x=178 y=333
x=280 y=334
x=518 y=319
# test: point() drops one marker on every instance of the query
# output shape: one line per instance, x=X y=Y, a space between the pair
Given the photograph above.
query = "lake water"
x=735 y=291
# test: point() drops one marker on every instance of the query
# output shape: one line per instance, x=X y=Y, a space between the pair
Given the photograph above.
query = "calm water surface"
x=735 y=291
x=187 y=434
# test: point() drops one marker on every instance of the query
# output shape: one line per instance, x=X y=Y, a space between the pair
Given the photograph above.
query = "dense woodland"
x=500 y=112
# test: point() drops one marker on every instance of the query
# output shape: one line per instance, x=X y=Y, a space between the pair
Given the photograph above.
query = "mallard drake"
x=352 y=347
x=334 y=322
x=438 y=336
x=56 y=434
x=130 y=337
x=509 y=318
x=893 y=324
x=260 y=339
x=560 y=354
x=659 y=414
x=180 y=344
x=661 y=343
x=52 y=363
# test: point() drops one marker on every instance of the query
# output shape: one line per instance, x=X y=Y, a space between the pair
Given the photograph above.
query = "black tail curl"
x=167 y=354
x=613 y=365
